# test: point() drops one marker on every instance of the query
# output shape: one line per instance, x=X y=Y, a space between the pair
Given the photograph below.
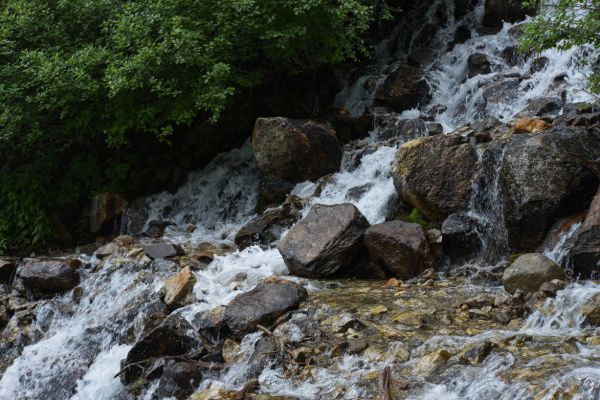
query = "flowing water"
x=77 y=347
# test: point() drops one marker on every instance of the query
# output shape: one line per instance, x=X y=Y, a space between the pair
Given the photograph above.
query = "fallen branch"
x=385 y=377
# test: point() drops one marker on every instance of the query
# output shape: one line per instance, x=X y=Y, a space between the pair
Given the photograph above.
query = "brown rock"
x=403 y=89
x=529 y=271
x=295 y=150
x=179 y=289
x=435 y=174
x=50 y=276
x=530 y=125
x=106 y=212
x=399 y=247
x=326 y=243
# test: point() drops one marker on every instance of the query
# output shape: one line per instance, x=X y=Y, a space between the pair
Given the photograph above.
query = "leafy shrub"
x=75 y=74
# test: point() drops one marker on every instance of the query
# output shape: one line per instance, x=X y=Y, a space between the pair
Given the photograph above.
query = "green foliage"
x=75 y=73
x=415 y=217
x=562 y=25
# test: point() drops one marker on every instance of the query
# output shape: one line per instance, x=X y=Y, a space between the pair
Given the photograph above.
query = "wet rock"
x=326 y=243
x=137 y=215
x=108 y=250
x=591 y=311
x=273 y=192
x=461 y=241
x=478 y=64
x=421 y=174
x=268 y=227
x=211 y=324
x=150 y=316
x=295 y=150
x=542 y=106
x=179 y=289
x=399 y=247
x=430 y=362
x=50 y=276
x=403 y=89
x=434 y=128
x=162 y=250
x=174 y=337
x=538 y=64
x=585 y=254
x=179 y=380
x=106 y=212
x=499 y=11
x=410 y=129
x=350 y=128
x=529 y=271
x=477 y=353
x=269 y=300
x=462 y=34
x=531 y=125
x=156 y=229
x=549 y=289
x=500 y=90
x=7 y=269
x=544 y=174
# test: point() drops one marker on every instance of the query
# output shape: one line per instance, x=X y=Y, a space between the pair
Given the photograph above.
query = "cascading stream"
x=81 y=345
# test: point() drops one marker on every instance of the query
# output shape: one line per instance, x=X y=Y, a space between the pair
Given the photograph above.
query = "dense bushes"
x=77 y=74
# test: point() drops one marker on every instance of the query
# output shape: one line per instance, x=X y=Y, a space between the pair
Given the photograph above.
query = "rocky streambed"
x=434 y=239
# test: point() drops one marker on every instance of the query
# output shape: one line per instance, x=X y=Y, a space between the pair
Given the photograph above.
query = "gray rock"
x=435 y=174
x=179 y=379
x=538 y=64
x=585 y=254
x=325 y=243
x=162 y=250
x=399 y=247
x=106 y=212
x=542 y=106
x=269 y=300
x=499 y=11
x=295 y=150
x=478 y=64
x=529 y=271
x=461 y=241
x=268 y=227
x=7 y=269
x=50 y=276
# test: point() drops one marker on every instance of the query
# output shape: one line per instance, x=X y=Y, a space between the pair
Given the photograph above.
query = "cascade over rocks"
x=585 y=254
x=269 y=300
x=401 y=248
x=295 y=150
x=51 y=276
x=403 y=89
x=326 y=243
x=529 y=271
x=268 y=227
x=435 y=174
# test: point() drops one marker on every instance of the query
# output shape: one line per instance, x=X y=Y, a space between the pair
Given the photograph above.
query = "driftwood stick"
x=385 y=378
x=202 y=364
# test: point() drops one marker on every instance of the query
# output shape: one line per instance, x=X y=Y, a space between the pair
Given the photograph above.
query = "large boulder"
x=435 y=174
x=585 y=254
x=295 y=150
x=401 y=248
x=545 y=174
x=529 y=271
x=268 y=227
x=460 y=239
x=7 y=269
x=326 y=243
x=269 y=300
x=403 y=89
x=174 y=337
x=47 y=277
x=499 y=11
x=106 y=212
